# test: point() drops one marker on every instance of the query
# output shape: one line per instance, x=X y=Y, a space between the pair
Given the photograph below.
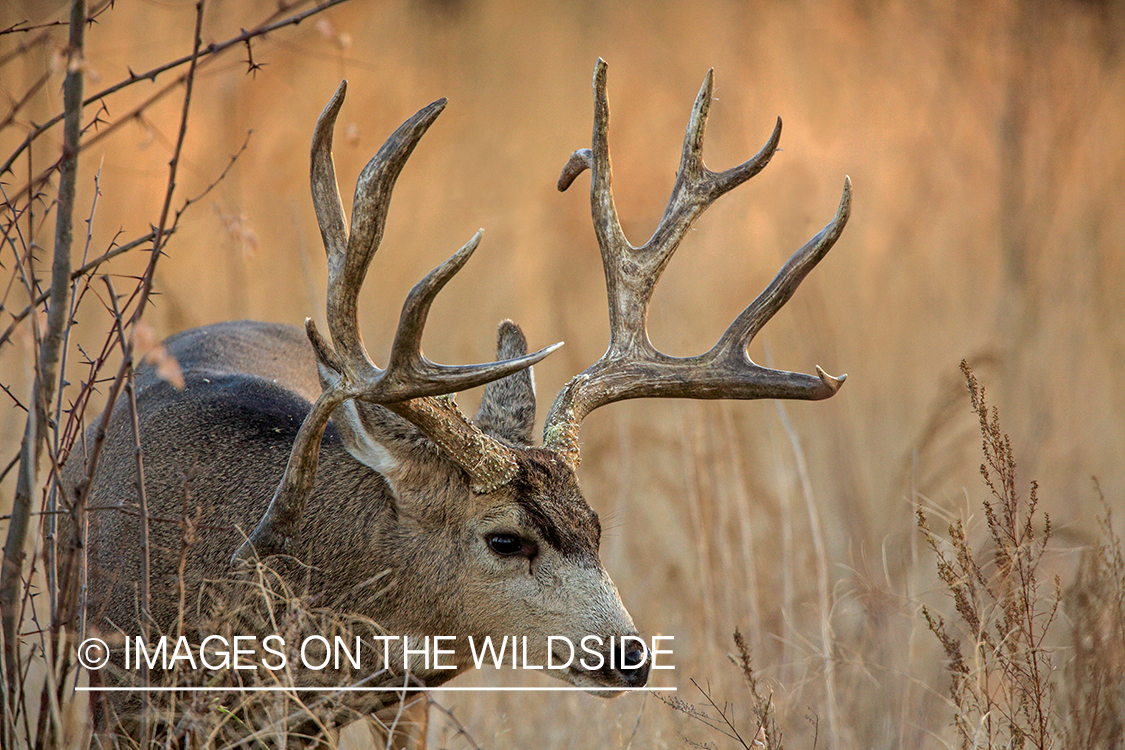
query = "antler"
x=632 y=367
x=410 y=383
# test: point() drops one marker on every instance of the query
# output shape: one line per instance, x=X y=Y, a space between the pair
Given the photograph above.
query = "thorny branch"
x=35 y=433
x=88 y=268
x=198 y=55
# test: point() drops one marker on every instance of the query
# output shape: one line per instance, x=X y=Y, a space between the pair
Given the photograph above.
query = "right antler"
x=409 y=384
x=632 y=367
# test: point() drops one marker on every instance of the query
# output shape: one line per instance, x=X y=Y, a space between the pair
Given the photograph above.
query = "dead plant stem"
x=35 y=434
x=150 y=75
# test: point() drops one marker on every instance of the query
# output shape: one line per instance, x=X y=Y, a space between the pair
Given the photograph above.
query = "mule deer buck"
x=394 y=506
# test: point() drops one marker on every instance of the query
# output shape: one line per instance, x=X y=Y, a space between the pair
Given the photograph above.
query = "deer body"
x=410 y=558
x=393 y=507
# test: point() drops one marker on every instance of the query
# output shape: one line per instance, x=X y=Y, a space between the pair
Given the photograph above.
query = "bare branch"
x=35 y=433
x=194 y=58
x=86 y=268
x=91 y=266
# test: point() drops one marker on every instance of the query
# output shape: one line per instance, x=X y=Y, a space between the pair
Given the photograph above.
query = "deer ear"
x=507 y=409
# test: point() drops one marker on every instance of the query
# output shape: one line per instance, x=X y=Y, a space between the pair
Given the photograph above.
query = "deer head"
x=515 y=510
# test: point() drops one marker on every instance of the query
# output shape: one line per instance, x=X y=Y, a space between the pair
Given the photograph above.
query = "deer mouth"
x=609 y=680
x=602 y=683
x=594 y=684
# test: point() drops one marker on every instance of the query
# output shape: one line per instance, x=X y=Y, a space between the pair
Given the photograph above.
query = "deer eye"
x=510 y=545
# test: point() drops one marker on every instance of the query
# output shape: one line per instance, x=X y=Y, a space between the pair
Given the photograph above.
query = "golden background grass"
x=985 y=145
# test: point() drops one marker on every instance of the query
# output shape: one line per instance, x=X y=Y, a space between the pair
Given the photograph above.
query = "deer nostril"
x=633 y=658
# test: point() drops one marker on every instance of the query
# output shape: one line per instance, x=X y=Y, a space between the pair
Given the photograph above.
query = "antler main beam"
x=632 y=367
x=409 y=384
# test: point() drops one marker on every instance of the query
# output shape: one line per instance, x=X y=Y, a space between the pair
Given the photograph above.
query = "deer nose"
x=629 y=663
x=634 y=666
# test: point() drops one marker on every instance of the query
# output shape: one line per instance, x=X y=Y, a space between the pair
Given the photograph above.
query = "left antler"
x=632 y=367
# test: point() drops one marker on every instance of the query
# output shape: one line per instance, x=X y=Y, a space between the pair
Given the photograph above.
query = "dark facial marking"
x=547 y=492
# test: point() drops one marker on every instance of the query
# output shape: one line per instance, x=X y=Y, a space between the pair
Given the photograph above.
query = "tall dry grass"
x=984 y=144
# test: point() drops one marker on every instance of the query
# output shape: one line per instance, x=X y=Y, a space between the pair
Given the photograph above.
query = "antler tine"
x=325 y=191
x=369 y=215
x=279 y=522
x=406 y=352
x=745 y=327
x=632 y=367
x=697 y=187
x=407 y=346
x=607 y=227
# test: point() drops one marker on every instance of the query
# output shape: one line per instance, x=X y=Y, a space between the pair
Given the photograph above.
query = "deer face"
x=533 y=549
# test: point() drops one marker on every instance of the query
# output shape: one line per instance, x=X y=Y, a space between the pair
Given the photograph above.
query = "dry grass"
x=260 y=602
x=1094 y=715
x=984 y=144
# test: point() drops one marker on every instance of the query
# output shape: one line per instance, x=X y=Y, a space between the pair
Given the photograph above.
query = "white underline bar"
x=283 y=689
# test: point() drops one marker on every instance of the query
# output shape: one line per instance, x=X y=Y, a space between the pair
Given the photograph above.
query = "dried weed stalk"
x=1000 y=684
x=769 y=736
x=722 y=717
